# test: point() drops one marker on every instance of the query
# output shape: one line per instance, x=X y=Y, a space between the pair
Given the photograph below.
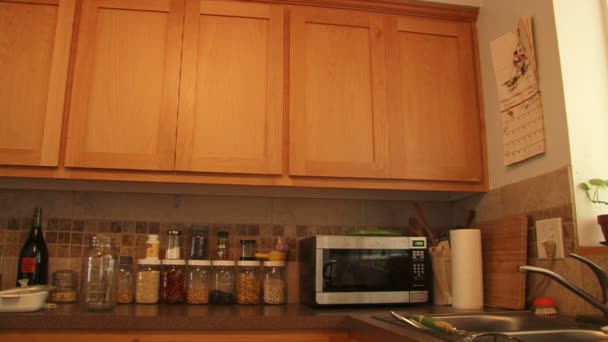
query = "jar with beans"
x=248 y=283
x=147 y=281
x=274 y=283
x=173 y=279
x=199 y=274
x=223 y=282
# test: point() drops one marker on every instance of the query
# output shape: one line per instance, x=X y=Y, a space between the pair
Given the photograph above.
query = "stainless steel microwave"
x=339 y=270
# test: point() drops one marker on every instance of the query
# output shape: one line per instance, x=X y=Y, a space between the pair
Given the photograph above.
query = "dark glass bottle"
x=34 y=257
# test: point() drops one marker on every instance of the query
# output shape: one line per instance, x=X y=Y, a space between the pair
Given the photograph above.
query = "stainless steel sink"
x=577 y=335
x=509 y=321
x=522 y=325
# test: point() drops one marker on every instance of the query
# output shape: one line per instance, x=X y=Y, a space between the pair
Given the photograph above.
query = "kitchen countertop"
x=236 y=317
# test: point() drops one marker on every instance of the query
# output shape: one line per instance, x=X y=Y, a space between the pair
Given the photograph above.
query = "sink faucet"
x=600 y=273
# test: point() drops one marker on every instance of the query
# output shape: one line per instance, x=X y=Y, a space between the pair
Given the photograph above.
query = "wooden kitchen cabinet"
x=231 y=89
x=123 y=113
x=338 y=111
x=434 y=117
x=35 y=39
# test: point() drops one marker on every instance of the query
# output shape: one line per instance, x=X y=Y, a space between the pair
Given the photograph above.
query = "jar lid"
x=174 y=232
x=199 y=229
x=199 y=262
x=248 y=263
x=148 y=261
x=274 y=263
x=174 y=262
x=126 y=260
x=223 y=263
x=152 y=237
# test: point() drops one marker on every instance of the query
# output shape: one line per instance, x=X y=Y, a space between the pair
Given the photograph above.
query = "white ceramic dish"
x=23 y=299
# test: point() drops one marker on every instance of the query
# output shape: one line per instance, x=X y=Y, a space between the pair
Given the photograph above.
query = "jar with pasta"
x=147 y=283
x=248 y=283
x=274 y=284
x=199 y=273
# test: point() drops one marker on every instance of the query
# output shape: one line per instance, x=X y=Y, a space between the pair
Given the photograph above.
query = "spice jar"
x=247 y=250
x=100 y=274
x=174 y=245
x=64 y=282
x=152 y=245
x=126 y=279
x=147 y=282
x=198 y=243
x=173 y=279
x=199 y=275
x=222 y=282
x=275 y=283
x=248 y=284
x=223 y=246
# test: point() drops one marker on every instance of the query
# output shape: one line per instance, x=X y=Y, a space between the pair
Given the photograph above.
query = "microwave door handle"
x=328 y=270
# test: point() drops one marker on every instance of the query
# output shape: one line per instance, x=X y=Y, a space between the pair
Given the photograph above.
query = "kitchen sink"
x=523 y=325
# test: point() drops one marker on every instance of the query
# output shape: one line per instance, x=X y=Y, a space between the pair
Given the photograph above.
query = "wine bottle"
x=34 y=257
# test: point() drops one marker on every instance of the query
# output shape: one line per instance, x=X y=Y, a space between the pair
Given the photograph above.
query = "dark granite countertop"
x=210 y=318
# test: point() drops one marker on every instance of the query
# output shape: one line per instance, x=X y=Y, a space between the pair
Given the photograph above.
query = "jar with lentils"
x=126 y=278
x=147 y=282
x=199 y=274
x=274 y=283
x=248 y=282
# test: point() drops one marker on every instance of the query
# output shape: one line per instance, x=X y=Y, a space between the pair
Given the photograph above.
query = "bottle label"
x=28 y=265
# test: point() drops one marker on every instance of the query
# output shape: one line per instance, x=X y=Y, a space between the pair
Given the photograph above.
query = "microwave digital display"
x=418 y=243
x=364 y=270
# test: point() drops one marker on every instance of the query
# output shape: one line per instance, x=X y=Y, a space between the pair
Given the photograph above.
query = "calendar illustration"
x=520 y=103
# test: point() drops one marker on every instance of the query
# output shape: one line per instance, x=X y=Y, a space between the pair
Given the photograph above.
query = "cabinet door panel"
x=434 y=116
x=338 y=98
x=231 y=95
x=35 y=41
x=124 y=108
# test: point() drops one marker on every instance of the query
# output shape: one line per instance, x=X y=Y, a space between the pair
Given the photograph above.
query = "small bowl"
x=22 y=301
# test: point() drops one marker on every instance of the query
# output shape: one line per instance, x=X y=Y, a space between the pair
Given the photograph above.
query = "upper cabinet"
x=35 y=39
x=435 y=128
x=124 y=99
x=338 y=97
x=231 y=89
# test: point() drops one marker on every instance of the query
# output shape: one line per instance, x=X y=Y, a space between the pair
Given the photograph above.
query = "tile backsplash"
x=72 y=218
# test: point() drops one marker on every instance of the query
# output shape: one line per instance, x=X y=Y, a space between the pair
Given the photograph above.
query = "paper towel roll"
x=467 y=269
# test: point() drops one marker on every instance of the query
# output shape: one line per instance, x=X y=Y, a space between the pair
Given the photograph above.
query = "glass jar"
x=64 y=291
x=223 y=246
x=152 y=246
x=174 y=244
x=147 y=281
x=247 y=250
x=222 y=282
x=100 y=274
x=199 y=275
x=274 y=284
x=126 y=279
x=173 y=280
x=248 y=285
x=199 y=243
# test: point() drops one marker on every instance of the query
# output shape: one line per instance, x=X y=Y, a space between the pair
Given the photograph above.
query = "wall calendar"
x=521 y=108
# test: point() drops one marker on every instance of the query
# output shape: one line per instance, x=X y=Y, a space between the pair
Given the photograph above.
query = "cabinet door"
x=124 y=102
x=35 y=37
x=231 y=90
x=434 y=114
x=338 y=118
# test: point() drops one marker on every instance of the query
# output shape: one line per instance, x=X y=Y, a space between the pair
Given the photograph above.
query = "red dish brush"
x=544 y=306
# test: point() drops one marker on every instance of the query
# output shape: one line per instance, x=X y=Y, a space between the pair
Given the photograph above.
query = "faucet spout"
x=565 y=283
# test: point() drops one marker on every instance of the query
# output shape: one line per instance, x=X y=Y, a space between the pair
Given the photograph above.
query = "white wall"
x=582 y=42
x=497 y=17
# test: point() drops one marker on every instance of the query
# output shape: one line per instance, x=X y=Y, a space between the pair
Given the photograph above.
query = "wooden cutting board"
x=505 y=247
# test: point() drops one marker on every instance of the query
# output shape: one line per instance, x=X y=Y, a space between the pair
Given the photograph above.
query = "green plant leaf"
x=597 y=182
x=585 y=186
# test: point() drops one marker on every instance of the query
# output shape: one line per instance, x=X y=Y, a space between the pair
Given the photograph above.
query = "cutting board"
x=505 y=247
